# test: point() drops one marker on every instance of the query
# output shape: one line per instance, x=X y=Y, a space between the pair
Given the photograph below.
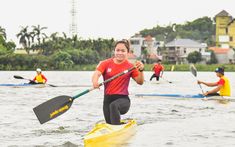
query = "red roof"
x=218 y=50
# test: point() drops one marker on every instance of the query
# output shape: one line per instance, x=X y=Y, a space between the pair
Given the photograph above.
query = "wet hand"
x=139 y=65
x=96 y=85
x=199 y=82
x=205 y=93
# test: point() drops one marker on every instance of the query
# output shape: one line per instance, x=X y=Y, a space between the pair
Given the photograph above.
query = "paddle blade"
x=53 y=108
x=193 y=70
x=52 y=85
x=18 y=77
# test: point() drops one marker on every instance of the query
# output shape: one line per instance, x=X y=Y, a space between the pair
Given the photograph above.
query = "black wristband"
x=141 y=70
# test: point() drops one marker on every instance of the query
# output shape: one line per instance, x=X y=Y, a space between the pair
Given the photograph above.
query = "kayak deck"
x=106 y=135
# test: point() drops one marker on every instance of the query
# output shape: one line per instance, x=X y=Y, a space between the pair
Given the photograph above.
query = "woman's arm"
x=207 y=84
x=140 y=78
x=95 y=78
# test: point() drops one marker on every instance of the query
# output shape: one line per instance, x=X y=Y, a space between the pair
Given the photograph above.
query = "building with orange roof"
x=223 y=55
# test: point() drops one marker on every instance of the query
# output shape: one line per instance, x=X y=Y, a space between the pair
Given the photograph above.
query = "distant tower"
x=73 y=26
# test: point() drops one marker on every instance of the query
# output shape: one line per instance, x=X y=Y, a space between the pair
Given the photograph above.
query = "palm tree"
x=3 y=32
x=25 y=38
x=38 y=32
x=22 y=35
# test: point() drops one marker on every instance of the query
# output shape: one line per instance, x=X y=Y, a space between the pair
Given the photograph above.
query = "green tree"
x=201 y=29
x=3 y=33
x=62 y=60
x=5 y=47
x=194 y=57
x=213 y=59
x=25 y=38
x=37 y=31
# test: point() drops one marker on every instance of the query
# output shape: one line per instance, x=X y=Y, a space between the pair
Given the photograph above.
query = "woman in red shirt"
x=116 y=99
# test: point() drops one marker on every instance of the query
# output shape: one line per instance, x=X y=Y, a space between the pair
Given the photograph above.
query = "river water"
x=161 y=122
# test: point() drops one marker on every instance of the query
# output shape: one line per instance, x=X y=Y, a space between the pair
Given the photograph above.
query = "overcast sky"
x=105 y=18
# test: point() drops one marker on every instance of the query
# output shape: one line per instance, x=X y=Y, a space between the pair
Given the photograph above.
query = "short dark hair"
x=125 y=42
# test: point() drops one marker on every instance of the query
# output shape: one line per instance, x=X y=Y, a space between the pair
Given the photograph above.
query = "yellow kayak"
x=106 y=135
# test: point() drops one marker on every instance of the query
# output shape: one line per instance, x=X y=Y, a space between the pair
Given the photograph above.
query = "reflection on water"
x=161 y=122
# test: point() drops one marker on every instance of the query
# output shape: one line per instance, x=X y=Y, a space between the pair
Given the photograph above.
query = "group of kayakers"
x=116 y=100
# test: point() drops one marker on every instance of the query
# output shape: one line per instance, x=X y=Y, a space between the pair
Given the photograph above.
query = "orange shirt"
x=119 y=85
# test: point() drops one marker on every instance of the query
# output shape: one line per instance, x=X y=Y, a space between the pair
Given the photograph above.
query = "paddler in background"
x=39 y=78
x=222 y=86
x=158 y=69
x=116 y=99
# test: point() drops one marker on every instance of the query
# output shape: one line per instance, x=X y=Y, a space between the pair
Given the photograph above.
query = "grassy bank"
x=182 y=67
x=91 y=67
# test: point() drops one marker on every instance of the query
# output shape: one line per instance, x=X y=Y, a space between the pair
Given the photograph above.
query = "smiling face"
x=120 y=52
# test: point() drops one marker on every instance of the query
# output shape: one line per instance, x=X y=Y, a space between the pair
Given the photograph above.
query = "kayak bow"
x=106 y=135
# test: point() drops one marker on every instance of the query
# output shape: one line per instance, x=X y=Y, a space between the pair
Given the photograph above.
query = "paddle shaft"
x=106 y=81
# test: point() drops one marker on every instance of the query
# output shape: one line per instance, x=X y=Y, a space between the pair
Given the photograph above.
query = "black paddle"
x=166 y=80
x=31 y=81
x=60 y=104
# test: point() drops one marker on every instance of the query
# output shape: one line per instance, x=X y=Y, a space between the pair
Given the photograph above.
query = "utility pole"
x=73 y=26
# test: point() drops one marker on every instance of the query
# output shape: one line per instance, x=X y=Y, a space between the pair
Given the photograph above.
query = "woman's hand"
x=139 y=65
x=205 y=93
x=199 y=82
x=96 y=85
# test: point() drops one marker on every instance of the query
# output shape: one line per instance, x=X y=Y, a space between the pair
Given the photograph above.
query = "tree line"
x=60 y=52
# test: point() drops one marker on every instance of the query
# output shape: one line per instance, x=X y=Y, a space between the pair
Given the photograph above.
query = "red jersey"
x=221 y=82
x=119 y=85
x=157 y=69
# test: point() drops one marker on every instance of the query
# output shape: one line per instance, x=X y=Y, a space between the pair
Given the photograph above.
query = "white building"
x=139 y=43
x=178 y=50
x=136 y=44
